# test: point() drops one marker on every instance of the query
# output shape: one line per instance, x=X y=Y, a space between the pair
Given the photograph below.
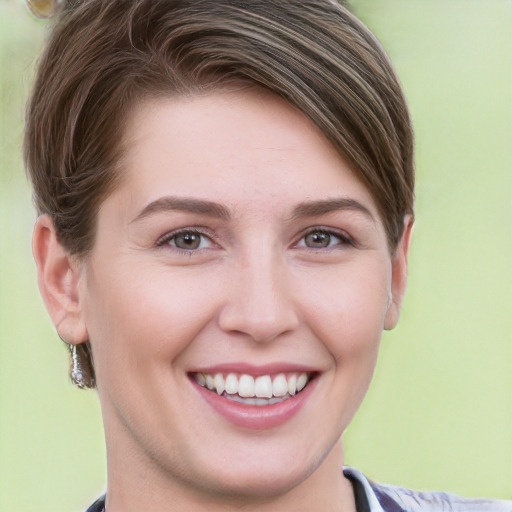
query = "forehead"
x=249 y=147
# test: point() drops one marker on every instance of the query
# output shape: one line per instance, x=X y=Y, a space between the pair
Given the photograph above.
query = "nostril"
x=261 y=325
x=258 y=329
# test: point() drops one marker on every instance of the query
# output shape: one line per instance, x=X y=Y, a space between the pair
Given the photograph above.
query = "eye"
x=187 y=240
x=323 y=239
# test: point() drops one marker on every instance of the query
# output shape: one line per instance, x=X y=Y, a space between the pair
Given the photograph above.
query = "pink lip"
x=256 y=417
x=268 y=369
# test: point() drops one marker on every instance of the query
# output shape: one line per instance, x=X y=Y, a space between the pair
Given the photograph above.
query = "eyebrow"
x=314 y=208
x=184 y=204
x=218 y=211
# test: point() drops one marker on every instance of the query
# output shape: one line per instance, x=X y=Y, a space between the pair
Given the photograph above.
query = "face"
x=239 y=253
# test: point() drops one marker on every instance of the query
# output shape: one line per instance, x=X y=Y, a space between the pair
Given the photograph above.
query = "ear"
x=58 y=274
x=399 y=275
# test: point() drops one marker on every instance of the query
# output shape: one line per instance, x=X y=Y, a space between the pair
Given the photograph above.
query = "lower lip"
x=256 y=417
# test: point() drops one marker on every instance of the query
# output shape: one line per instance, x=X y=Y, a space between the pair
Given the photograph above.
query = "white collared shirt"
x=389 y=498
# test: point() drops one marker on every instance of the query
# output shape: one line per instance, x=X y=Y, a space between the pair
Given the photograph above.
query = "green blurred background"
x=439 y=413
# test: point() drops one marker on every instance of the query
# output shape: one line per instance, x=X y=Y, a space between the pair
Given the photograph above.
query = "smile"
x=249 y=390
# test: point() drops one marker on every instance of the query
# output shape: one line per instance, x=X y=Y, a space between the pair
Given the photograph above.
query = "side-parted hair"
x=103 y=56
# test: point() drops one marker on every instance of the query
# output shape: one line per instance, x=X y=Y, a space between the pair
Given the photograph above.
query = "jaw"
x=244 y=465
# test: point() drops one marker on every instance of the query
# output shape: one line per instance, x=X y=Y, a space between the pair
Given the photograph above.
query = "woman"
x=225 y=192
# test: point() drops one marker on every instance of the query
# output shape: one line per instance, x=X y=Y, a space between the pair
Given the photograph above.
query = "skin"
x=254 y=291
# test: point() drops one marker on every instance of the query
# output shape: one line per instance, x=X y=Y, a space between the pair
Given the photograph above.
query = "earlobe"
x=399 y=275
x=58 y=278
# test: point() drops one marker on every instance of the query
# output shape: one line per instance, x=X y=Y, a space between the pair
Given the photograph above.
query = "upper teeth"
x=248 y=386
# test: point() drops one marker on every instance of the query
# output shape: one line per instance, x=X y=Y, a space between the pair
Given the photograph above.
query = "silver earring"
x=43 y=9
x=77 y=376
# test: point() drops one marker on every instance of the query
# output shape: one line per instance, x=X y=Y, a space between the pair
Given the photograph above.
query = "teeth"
x=263 y=387
x=200 y=379
x=246 y=386
x=210 y=384
x=302 y=380
x=261 y=390
x=280 y=386
x=218 y=380
x=231 y=384
x=256 y=401
x=292 y=385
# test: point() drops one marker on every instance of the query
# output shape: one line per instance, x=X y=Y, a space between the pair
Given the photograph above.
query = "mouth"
x=261 y=390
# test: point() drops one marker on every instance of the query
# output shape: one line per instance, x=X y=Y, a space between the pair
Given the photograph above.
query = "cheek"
x=347 y=308
x=137 y=318
x=347 y=317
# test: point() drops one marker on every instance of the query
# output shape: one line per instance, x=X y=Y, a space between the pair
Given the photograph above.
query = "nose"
x=259 y=304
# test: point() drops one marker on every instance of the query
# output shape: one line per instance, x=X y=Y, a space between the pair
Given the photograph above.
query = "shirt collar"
x=370 y=494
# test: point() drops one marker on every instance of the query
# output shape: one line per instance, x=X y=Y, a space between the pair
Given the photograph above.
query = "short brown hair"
x=103 y=56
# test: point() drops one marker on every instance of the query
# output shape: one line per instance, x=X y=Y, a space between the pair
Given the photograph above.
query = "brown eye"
x=324 y=239
x=188 y=241
x=43 y=9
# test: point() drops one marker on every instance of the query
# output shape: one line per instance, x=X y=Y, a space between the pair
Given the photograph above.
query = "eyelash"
x=343 y=239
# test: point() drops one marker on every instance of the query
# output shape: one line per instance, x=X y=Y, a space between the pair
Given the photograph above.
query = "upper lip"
x=255 y=370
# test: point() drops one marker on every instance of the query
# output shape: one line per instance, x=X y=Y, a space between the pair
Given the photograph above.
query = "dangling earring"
x=77 y=376
x=43 y=9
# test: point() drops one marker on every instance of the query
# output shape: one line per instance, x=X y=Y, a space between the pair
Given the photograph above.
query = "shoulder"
x=390 y=498
x=398 y=499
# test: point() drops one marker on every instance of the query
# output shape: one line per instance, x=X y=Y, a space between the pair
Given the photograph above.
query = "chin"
x=259 y=480
x=257 y=488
